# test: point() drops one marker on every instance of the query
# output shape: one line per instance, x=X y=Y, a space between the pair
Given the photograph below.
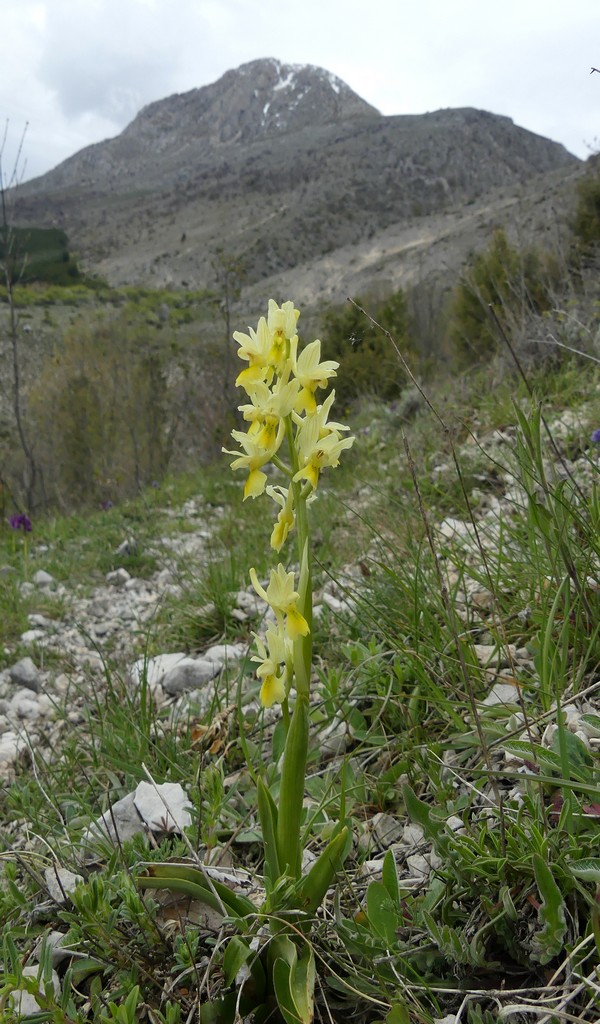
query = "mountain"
x=171 y=139
x=285 y=166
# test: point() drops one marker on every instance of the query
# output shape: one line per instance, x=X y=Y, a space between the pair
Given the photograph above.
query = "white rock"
x=412 y=835
x=118 y=578
x=165 y=807
x=189 y=674
x=41 y=621
x=501 y=693
x=60 y=883
x=25 y=673
x=43 y=579
x=371 y=868
x=22 y=1002
x=249 y=603
x=10 y=745
x=492 y=656
x=32 y=636
x=332 y=602
x=386 y=829
x=55 y=940
x=25 y=706
x=333 y=740
x=418 y=864
x=225 y=653
x=123 y=820
x=454 y=529
x=154 y=668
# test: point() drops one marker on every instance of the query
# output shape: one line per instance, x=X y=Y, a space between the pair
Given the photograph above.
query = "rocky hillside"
x=284 y=165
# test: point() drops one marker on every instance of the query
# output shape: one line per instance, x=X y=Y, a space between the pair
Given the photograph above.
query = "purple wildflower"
x=20 y=522
x=595 y=437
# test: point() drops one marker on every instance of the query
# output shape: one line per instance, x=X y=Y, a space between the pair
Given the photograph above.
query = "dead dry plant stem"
x=567 y=560
x=450 y=614
x=504 y=337
x=444 y=593
x=7 y=237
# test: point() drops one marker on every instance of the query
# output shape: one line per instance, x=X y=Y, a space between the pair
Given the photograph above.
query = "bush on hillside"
x=38 y=254
x=586 y=222
x=102 y=414
x=369 y=366
x=514 y=283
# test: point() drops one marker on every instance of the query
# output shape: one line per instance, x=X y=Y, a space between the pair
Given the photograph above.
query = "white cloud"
x=80 y=71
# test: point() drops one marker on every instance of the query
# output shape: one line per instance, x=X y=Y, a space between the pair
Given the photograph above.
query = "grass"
x=470 y=893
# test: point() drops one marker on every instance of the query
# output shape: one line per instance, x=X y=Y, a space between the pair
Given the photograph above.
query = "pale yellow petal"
x=255 y=484
x=272 y=691
x=295 y=624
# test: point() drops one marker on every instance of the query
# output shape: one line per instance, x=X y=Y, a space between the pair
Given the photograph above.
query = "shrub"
x=586 y=222
x=368 y=362
x=512 y=282
x=101 y=410
x=38 y=254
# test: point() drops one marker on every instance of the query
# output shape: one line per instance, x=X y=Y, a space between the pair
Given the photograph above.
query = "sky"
x=74 y=72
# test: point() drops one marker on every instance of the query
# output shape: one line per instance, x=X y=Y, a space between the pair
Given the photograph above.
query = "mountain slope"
x=281 y=164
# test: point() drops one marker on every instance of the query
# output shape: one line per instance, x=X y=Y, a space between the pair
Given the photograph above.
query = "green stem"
x=291 y=791
x=302 y=646
x=285 y=715
x=293 y=773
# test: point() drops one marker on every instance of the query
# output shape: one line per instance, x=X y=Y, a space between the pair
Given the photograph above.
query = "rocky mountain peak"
x=250 y=104
x=261 y=98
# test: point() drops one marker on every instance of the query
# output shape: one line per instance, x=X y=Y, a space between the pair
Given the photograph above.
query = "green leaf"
x=420 y=812
x=398 y=1014
x=291 y=791
x=383 y=914
x=302 y=984
x=267 y=813
x=577 y=752
x=236 y=955
x=593 y=721
x=312 y=889
x=549 y=941
x=293 y=980
x=520 y=748
x=82 y=969
x=194 y=883
x=389 y=877
x=588 y=869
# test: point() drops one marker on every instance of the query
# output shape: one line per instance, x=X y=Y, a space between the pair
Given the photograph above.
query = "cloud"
x=80 y=70
x=93 y=62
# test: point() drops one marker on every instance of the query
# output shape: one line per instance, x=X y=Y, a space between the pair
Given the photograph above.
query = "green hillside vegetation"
x=503 y=797
x=533 y=294
x=39 y=254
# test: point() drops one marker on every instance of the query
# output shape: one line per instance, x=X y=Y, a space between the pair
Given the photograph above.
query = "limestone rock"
x=25 y=673
x=189 y=674
x=165 y=807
